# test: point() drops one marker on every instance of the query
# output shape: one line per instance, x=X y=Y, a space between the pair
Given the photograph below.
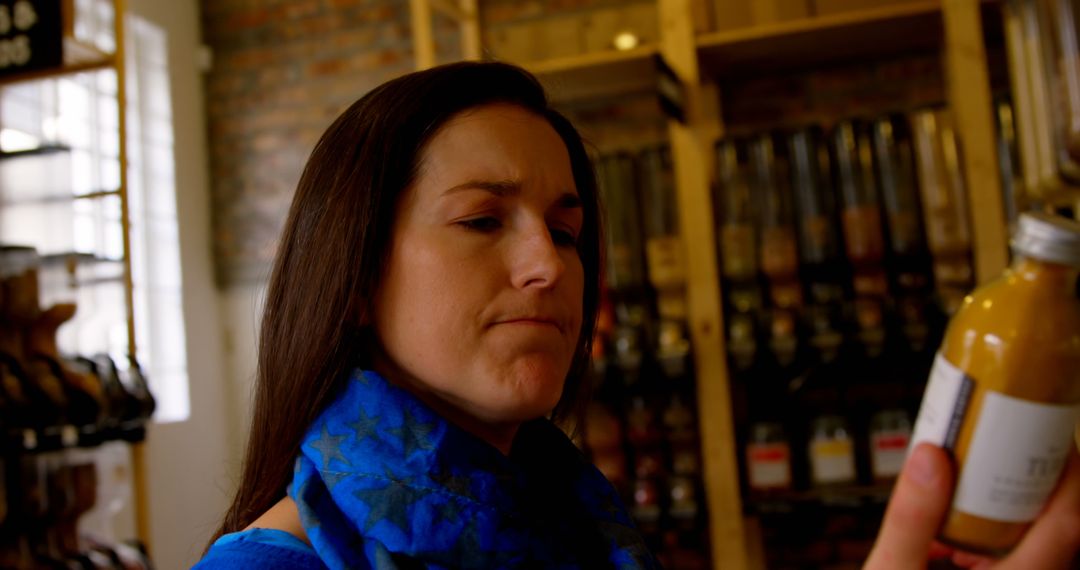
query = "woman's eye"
x=563 y=237
x=484 y=224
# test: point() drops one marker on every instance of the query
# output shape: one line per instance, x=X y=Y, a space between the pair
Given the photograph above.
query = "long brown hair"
x=335 y=242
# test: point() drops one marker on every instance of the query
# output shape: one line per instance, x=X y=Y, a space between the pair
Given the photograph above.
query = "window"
x=66 y=201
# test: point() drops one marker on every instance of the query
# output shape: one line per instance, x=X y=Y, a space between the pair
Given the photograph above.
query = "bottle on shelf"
x=893 y=155
x=626 y=269
x=768 y=459
x=664 y=248
x=779 y=257
x=1004 y=393
x=831 y=452
x=822 y=267
x=860 y=216
x=1013 y=193
x=736 y=229
x=890 y=435
x=944 y=204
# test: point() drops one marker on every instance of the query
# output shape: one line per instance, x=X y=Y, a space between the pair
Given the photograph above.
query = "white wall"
x=191 y=464
x=241 y=311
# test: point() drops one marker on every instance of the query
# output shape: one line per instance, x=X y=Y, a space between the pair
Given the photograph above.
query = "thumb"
x=916 y=510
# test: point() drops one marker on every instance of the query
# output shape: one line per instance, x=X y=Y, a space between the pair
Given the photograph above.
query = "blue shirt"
x=263 y=548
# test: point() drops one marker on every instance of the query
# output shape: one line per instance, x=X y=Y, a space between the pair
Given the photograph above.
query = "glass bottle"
x=832 y=452
x=861 y=212
x=664 y=249
x=819 y=245
x=737 y=233
x=768 y=458
x=890 y=434
x=895 y=162
x=1004 y=392
x=779 y=257
x=944 y=203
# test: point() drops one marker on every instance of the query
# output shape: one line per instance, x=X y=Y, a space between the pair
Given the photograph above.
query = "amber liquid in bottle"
x=1004 y=394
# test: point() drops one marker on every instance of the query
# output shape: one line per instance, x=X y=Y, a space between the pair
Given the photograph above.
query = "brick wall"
x=282 y=71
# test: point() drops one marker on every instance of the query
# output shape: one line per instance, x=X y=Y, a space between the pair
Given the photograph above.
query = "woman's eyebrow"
x=504 y=188
x=500 y=188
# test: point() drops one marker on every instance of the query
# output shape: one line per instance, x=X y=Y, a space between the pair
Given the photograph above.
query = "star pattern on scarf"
x=414 y=435
x=384 y=503
x=329 y=448
x=365 y=425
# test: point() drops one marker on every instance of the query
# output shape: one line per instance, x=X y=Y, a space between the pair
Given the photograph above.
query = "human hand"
x=921 y=500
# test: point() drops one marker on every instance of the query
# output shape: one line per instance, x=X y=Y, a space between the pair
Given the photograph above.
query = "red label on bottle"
x=892 y=442
x=768 y=453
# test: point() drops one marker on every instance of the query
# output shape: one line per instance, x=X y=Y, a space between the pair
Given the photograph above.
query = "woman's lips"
x=531 y=321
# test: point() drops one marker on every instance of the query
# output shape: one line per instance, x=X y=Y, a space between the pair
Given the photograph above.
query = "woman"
x=434 y=294
x=433 y=300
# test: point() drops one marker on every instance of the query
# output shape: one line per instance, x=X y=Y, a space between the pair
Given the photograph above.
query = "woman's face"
x=480 y=307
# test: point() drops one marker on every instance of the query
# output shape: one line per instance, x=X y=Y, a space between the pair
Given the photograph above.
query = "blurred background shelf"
x=598 y=75
x=846 y=37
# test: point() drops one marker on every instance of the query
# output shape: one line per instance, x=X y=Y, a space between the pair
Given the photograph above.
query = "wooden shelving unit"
x=79 y=57
x=953 y=28
x=598 y=75
x=913 y=27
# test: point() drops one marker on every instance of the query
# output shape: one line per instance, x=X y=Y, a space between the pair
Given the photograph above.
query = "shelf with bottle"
x=841 y=252
x=865 y=34
x=1043 y=48
x=609 y=49
x=642 y=428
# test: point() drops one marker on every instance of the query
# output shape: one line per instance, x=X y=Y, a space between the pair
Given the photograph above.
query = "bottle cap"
x=1048 y=238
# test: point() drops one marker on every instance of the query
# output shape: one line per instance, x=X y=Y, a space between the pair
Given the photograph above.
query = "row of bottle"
x=641 y=433
x=56 y=511
x=49 y=400
x=641 y=428
x=826 y=453
x=870 y=208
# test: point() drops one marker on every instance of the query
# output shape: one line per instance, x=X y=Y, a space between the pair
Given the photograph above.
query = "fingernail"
x=920 y=467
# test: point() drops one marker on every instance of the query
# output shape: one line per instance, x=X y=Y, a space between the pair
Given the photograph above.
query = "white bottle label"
x=944 y=405
x=1017 y=451
x=1016 y=457
x=832 y=461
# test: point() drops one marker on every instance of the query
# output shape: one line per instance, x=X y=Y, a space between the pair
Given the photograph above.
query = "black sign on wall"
x=670 y=90
x=31 y=35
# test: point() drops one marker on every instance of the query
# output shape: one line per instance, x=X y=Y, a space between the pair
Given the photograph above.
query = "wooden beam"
x=972 y=107
x=423 y=38
x=471 y=46
x=691 y=149
x=455 y=12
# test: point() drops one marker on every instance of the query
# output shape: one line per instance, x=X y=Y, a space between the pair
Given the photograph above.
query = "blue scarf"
x=383 y=481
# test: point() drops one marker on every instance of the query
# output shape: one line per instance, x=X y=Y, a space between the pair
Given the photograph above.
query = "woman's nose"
x=536 y=260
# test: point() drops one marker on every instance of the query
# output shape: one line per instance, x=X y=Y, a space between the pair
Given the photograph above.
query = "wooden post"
x=140 y=481
x=691 y=148
x=423 y=40
x=471 y=47
x=972 y=108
